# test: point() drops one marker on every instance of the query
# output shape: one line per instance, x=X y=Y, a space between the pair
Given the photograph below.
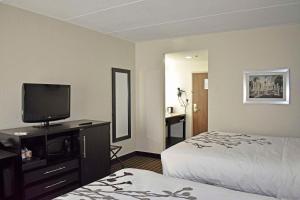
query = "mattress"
x=256 y=164
x=135 y=184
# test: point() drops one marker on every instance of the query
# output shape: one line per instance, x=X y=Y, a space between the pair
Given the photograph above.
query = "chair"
x=114 y=149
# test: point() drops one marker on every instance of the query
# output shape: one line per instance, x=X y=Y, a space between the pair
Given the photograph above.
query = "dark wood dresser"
x=8 y=187
x=63 y=157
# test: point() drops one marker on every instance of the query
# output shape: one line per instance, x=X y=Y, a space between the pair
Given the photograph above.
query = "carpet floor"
x=139 y=162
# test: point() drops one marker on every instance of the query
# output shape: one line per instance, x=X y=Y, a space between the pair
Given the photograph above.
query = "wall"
x=230 y=53
x=178 y=74
x=35 y=48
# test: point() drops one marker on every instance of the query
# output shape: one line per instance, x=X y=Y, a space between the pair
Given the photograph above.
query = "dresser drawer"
x=48 y=172
x=50 y=185
x=66 y=189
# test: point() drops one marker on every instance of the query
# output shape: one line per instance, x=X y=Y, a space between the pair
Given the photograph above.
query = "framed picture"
x=267 y=87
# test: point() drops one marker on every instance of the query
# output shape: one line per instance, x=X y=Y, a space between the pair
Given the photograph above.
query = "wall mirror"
x=121 y=105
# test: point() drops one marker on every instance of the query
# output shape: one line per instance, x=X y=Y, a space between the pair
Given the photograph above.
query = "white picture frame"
x=266 y=87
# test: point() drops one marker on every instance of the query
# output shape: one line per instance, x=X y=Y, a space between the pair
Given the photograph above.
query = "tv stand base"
x=47 y=124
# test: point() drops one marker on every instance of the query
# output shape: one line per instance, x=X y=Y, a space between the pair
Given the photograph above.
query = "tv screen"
x=45 y=102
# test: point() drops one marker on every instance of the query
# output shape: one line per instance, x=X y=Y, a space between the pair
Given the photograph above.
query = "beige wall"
x=34 y=48
x=230 y=54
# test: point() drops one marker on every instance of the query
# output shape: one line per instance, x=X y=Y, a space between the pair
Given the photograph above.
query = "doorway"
x=200 y=103
x=181 y=93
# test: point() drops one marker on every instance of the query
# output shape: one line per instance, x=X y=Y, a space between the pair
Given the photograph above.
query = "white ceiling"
x=140 y=20
x=189 y=58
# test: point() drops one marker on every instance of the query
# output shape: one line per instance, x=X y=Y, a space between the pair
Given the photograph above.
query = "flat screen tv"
x=45 y=102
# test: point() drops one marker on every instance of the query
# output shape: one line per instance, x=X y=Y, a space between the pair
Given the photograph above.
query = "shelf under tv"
x=33 y=163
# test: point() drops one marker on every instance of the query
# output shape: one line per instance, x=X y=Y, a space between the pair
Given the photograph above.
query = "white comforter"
x=256 y=164
x=134 y=184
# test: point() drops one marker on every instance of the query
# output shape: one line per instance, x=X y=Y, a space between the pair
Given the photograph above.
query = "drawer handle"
x=55 y=170
x=55 y=184
x=84 y=147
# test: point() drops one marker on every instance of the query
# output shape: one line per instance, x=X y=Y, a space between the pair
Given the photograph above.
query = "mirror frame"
x=114 y=134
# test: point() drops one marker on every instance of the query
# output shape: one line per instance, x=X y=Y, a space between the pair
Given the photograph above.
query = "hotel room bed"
x=255 y=164
x=130 y=184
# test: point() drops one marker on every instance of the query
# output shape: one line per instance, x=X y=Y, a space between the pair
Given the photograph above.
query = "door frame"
x=164 y=87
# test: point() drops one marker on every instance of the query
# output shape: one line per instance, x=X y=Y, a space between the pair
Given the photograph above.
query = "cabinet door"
x=95 y=153
x=7 y=179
